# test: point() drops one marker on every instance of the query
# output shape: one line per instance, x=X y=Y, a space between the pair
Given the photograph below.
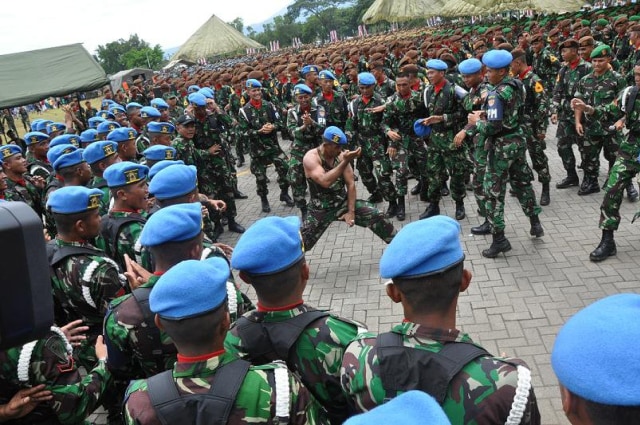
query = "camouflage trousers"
x=621 y=174
x=217 y=181
x=591 y=148
x=506 y=162
x=567 y=137
x=366 y=215
x=259 y=166
x=439 y=163
x=297 y=179
x=479 y=170
x=240 y=142
x=536 y=148
x=375 y=171
x=411 y=155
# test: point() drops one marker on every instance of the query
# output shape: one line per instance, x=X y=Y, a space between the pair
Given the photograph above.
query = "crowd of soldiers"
x=134 y=196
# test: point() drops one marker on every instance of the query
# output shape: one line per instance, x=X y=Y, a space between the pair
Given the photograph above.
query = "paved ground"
x=516 y=302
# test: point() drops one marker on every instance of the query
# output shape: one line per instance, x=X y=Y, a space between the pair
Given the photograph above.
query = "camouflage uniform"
x=236 y=101
x=535 y=122
x=481 y=393
x=255 y=401
x=327 y=204
x=506 y=160
x=51 y=363
x=626 y=67
x=335 y=108
x=175 y=113
x=621 y=47
x=303 y=141
x=264 y=148
x=25 y=191
x=98 y=182
x=364 y=129
x=386 y=89
x=315 y=356
x=222 y=95
x=37 y=167
x=546 y=65
x=142 y=142
x=126 y=240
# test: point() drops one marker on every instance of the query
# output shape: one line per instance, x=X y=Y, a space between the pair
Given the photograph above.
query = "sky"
x=37 y=24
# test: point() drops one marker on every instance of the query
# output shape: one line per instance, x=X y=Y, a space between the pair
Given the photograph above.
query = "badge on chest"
x=494 y=107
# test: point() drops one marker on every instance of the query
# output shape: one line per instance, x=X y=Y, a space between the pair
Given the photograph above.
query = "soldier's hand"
x=306 y=119
x=579 y=129
x=136 y=274
x=101 y=348
x=541 y=136
x=218 y=204
x=349 y=218
x=394 y=135
x=474 y=117
x=74 y=331
x=23 y=402
x=392 y=152
x=214 y=150
x=459 y=138
x=554 y=118
x=38 y=182
x=351 y=155
x=619 y=125
x=228 y=250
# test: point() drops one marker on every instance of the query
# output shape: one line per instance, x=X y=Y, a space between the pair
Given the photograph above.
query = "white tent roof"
x=401 y=10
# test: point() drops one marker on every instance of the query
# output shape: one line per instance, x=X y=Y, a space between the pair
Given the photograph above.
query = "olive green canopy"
x=486 y=7
x=402 y=10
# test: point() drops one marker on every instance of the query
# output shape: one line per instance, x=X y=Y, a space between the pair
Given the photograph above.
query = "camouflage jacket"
x=51 y=363
x=307 y=138
x=621 y=47
x=400 y=114
x=37 y=167
x=595 y=91
x=126 y=239
x=222 y=95
x=386 y=89
x=315 y=356
x=443 y=101
x=210 y=131
x=25 y=191
x=335 y=108
x=175 y=113
x=98 y=182
x=255 y=401
x=611 y=112
x=546 y=64
x=565 y=88
x=536 y=104
x=474 y=101
x=626 y=66
x=481 y=393
x=251 y=119
x=236 y=101
x=503 y=109
x=364 y=128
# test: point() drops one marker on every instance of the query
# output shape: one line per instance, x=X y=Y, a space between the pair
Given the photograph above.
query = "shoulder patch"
x=552 y=58
x=56 y=346
x=538 y=87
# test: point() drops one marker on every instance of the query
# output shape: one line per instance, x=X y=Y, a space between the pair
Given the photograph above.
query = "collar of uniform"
x=264 y=309
x=328 y=97
x=574 y=64
x=83 y=243
x=439 y=86
x=422 y=332
x=256 y=103
x=202 y=368
x=524 y=73
x=202 y=358
x=124 y=213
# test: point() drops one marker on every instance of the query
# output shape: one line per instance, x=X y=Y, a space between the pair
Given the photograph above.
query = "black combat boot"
x=632 y=193
x=234 y=226
x=536 y=227
x=444 y=191
x=303 y=212
x=432 y=209
x=483 y=229
x=240 y=162
x=392 y=210
x=375 y=198
x=238 y=195
x=589 y=185
x=607 y=247
x=500 y=244
x=571 y=180
x=217 y=229
x=265 y=204
x=415 y=190
x=401 y=209
x=284 y=197
x=545 y=198
x=460 y=213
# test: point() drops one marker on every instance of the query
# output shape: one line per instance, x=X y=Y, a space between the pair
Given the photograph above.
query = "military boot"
x=234 y=226
x=375 y=198
x=460 y=213
x=571 y=180
x=392 y=211
x=238 y=195
x=483 y=229
x=589 y=185
x=545 y=198
x=303 y=212
x=265 y=204
x=607 y=247
x=415 y=190
x=284 y=197
x=444 y=191
x=432 y=209
x=632 y=193
x=401 y=209
x=500 y=244
x=536 y=227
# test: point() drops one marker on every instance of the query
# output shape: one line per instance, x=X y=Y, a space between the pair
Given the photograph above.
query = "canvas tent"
x=29 y=77
x=214 y=37
x=485 y=7
x=128 y=76
x=401 y=10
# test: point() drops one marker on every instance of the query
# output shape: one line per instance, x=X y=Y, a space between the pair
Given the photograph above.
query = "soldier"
x=401 y=111
x=597 y=380
x=162 y=107
x=100 y=156
x=156 y=153
x=21 y=186
x=443 y=113
x=561 y=113
x=598 y=88
x=332 y=100
x=310 y=75
x=586 y=45
x=24 y=118
x=476 y=388
x=37 y=163
x=536 y=107
x=315 y=340
x=160 y=133
x=87 y=137
x=259 y=121
x=147 y=115
x=197 y=321
x=104 y=128
x=175 y=110
x=385 y=86
x=364 y=129
x=500 y=125
x=9 y=121
x=626 y=68
x=620 y=43
x=126 y=139
x=333 y=191
x=545 y=63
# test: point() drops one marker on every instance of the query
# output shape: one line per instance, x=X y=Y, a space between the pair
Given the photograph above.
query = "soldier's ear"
x=466 y=280
x=393 y=292
x=245 y=277
x=158 y=322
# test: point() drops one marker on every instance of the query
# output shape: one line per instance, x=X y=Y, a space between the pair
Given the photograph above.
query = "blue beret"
x=366 y=79
x=65 y=139
x=597 y=352
x=89 y=136
x=335 y=135
x=132 y=105
x=117 y=109
x=174 y=181
x=35 y=123
x=197 y=99
x=159 y=153
x=309 y=68
x=160 y=127
x=122 y=134
x=149 y=112
x=7 y=151
x=326 y=75
x=193 y=89
x=161 y=165
x=107 y=115
x=207 y=92
x=107 y=126
x=74 y=199
x=55 y=126
x=68 y=159
x=497 y=59
x=422 y=248
x=159 y=102
x=410 y=408
x=94 y=121
x=299 y=89
x=437 y=64
x=470 y=66
x=100 y=150
x=175 y=223
x=269 y=246
x=125 y=173
x=420 y=129
x=57 y=151
x=190 y=289
x=107 y=102
x=252 y=83
x=42 y=125
x=35 y=137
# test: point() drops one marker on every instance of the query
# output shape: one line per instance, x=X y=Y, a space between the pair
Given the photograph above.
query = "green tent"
x=401 y=10
x=29 y=77
x=486 y=7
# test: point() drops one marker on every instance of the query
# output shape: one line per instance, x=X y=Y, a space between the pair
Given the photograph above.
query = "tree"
x=124 y=54
x=324 y=12
x=238 y=24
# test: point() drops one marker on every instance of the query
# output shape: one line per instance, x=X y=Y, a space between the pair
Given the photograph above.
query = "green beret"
x=506 y=30
x=586 y=22
x=602 y=22
x=601 y=51
x=634 y=18
x=482 y=30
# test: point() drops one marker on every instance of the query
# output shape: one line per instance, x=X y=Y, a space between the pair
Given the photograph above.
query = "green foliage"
x=238 y=24
x=124 y=54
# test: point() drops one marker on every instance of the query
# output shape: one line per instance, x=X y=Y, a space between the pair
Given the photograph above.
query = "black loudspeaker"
x=26 y=302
